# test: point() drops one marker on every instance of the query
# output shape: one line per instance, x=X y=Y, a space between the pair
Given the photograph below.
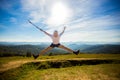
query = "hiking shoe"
x=35 y=56
x=76 y=52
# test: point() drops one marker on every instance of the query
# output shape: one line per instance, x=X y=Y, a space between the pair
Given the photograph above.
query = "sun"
x=60 y=14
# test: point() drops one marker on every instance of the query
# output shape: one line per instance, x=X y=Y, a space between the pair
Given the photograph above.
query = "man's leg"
x=42 y=52
x=68 y=49
x=45 y=50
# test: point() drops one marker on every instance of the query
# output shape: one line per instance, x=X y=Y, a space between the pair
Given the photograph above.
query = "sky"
x=85 y=20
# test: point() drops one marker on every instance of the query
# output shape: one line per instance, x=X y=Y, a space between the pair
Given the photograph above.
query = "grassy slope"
x=9 y=62
x=85 y=72
x=71 y=56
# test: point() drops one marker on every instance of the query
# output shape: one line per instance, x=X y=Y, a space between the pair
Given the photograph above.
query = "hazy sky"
x=86 y=20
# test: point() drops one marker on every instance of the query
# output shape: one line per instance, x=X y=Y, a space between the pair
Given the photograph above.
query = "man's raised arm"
x=45 y=32
x=39 y=28
x=63 y=31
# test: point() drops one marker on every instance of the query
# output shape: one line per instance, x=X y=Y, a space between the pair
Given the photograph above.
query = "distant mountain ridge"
x=71 y=43
x=15 y=48
x=102 y=49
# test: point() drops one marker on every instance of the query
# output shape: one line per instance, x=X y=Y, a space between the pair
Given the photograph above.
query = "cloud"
x=86 y=20
x=13 y=20
x=55 y=12
x=97 y=23
x=91 y=36
x=37 y=9
x=2 y=26
x=46 y=11
x=34 y=8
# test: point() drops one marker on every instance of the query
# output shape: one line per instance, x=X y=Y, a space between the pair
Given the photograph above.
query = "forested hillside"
x=23 y=50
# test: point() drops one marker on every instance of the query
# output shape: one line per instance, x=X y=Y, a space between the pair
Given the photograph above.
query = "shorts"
x=55 y=45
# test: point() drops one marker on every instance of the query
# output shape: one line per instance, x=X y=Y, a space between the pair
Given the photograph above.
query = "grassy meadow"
x=61 y=67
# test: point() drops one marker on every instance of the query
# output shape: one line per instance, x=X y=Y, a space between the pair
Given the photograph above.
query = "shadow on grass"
x=70 y=63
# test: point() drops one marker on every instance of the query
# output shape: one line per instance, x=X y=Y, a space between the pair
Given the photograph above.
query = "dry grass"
x=7 y=63
x=96 y=72
x=13 y=71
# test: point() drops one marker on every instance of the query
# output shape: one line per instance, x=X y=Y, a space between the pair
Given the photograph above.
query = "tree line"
x=25 y=50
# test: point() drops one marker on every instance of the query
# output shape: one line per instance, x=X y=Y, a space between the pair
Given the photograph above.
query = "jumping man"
x=55 y=43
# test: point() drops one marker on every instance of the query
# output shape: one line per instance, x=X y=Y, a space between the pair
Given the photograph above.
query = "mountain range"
x=35 y=48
